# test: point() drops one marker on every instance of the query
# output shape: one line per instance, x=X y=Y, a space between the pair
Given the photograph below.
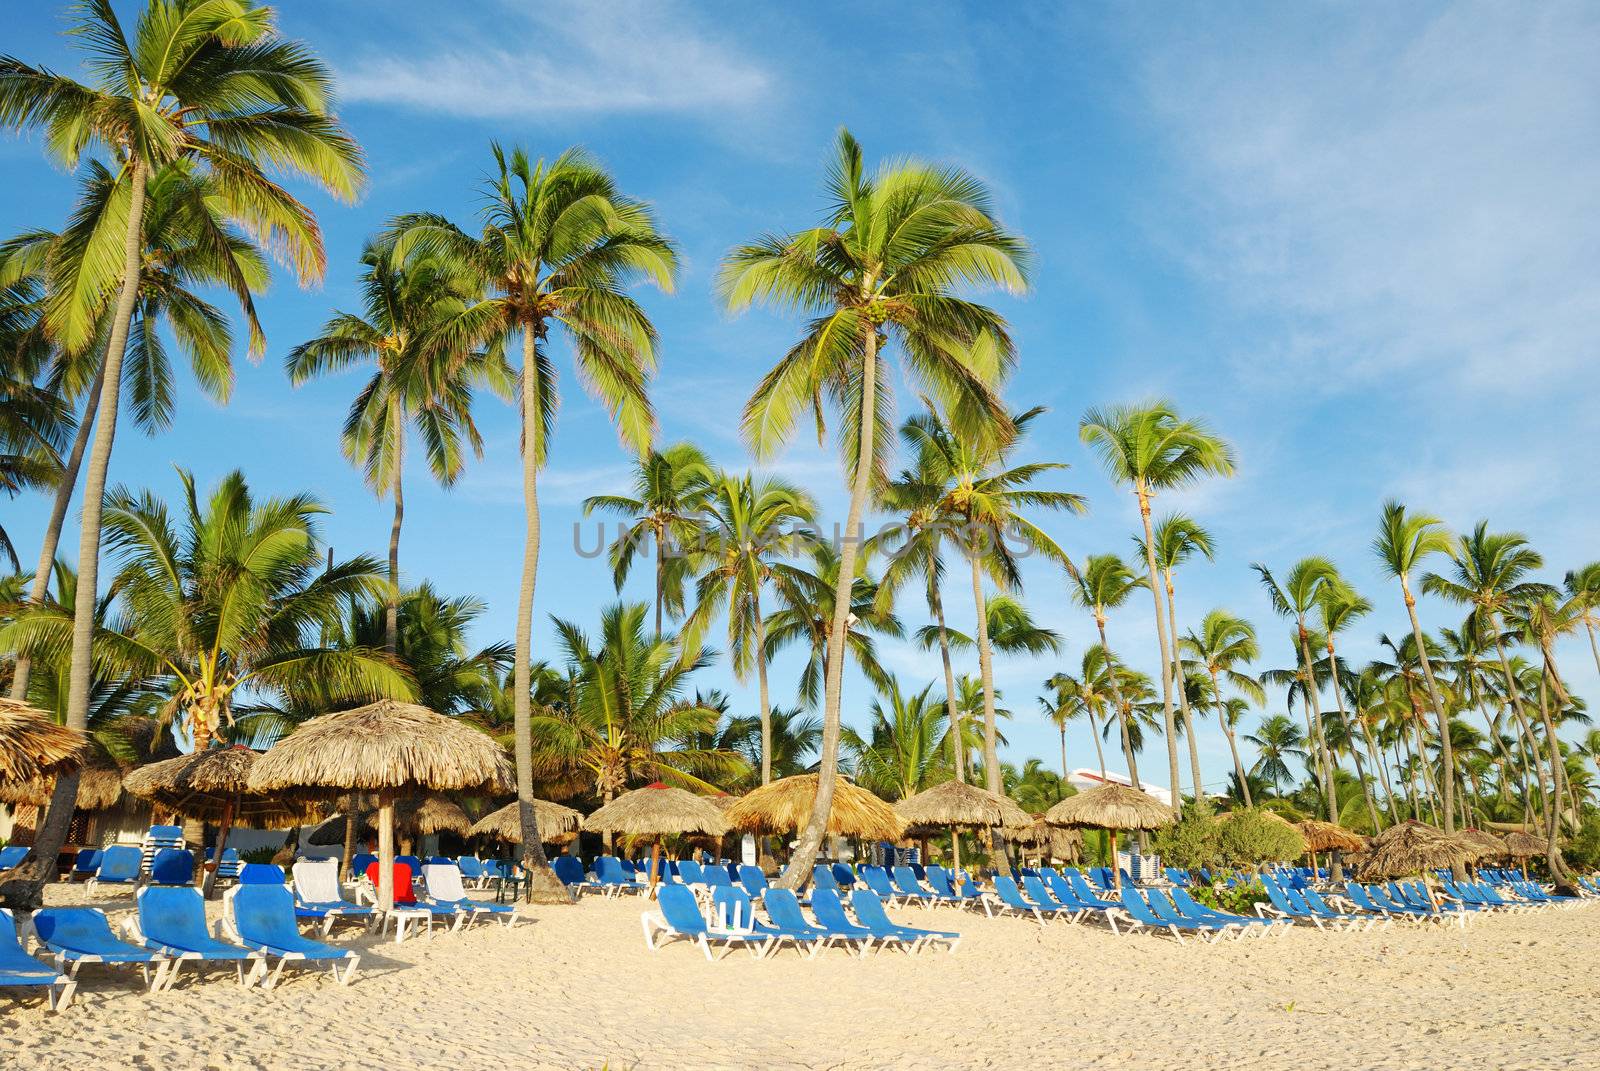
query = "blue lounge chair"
x=119 y=865
x=261 y=874
x=172 y=920
x=79 y=935
x=1087 y=895
x=84 y=864
x=1008 y=900
x=18 y=970
x=753 y=880
x=1035 y=889
x=689 y=872
x=613 y=879
x=870 y=913
x=443 y=882
x=678 y=916
x=1188 y=906
x=783 y=910
x=1283 y=907
x=843 y=876
x=261 y=917
x=359 y=863
x=944 y=890
x=1141 y=914
x=172 y=866
x=822 y=877
x=732 y=911
x=317 y=895
x=1164 y=909
x=494 y=872
x=569 y=868
x=1179 y=878
x=12 y=855
x=228 y=868
x=1313 y=902
x=715 y=877
x=830 y=914
x=1067 y=891
x=910 y=887
x=877 y=879
x=471 y=869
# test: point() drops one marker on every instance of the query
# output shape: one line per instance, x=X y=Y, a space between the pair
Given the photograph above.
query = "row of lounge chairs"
x=733 y=923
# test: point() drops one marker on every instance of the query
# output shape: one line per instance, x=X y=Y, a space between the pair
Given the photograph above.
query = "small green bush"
x=258 y=855
x=1249 y=839
x=1190 y=843
x=1240 y=899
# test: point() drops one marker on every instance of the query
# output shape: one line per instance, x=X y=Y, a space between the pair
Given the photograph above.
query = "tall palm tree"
x=1340 y=605
x=1277 y=740
x=1152 y=449
x=201 y=81
x=669 y=490
x=1224 y=643
x=882 y=268
x=415 y=385
x=1177 y=539
x=1089 y=694
x=35 y=416
x=1403 y=541
x=805 y=591
x=902 y=752
x=1103 y=584
x=558 y=248
x=1297 y=597
x=1583 y=587
x=1541 y=619
x=751 y=525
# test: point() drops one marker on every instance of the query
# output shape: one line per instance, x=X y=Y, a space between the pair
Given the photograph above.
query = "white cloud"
x=1410 y=188
x=563 y=58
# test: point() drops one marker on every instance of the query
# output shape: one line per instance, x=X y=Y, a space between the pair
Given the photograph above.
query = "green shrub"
x=258 y=855
x=1190 y=843
x=1250 y=838
x=1240 y=900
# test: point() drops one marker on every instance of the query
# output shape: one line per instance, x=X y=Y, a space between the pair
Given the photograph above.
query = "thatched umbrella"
x=505 y=824
x=955 y=805
x=785 y=806
x=657 y=811
x=412 y=818
x=1111 y=807
x=1486 y=843
x=1520 y=846
x=390 y=748
x=99 y=787
x=33 y=745
x=1328 y=837
x=1411 y=848
x=1058 y=842
x=213 y=786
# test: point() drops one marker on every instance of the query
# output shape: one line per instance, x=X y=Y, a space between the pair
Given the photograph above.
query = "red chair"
x=407 y=908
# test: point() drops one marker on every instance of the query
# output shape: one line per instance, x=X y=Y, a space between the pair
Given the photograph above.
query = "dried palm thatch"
x=785 y=806
x=1411 y=848
x=213 y=785
x=657 y=811
x=1484 y=844
x=99 y=786
x=1111 y=807
x=1524 y=845
x=1057 y=842
x=1327 y=837
x=416 y=818
x=957 y=804
x=505 y=824
x=33 y=745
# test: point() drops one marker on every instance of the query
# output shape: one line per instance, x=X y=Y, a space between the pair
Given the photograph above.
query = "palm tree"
x=794 y=734
x=189 y=245
x=1300 y=593
x=1088 y=694
x=1583 y=587
x=558 y=248
x=1277 y=740
x=415 y=383
x=903 y=752
x=669 y=490
x=1224 y=643
x=882 y=268
x=203 y=82
x=1403 y=542
x=34 y=416
x=1339 y=605
x=1104 y=584
x=1541 y=619
x=1177 y=539
x=805 y=592
x=751 y=524
x=1151 y=449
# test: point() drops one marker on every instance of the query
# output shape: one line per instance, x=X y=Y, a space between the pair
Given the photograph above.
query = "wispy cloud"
x=563 y=59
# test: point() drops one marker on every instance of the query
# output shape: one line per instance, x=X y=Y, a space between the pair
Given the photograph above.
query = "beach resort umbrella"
x=390 y=748
x=1327 y=837
x=955 y=805
x=785 y=806
x=32 y=745
x=99 y=786
x=1520 y=846
x=214 y=786
x=1058 y=842
x=1486 y=843
x=557 y=824
x=1111 y=807
x=1411 y=848
x=657 y=811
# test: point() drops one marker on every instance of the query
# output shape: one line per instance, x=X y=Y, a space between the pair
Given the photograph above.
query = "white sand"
x=577 y=989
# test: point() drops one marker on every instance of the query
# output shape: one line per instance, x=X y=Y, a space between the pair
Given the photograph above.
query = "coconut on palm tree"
x=559 y=246
x=216 y=87
x=1153 y=450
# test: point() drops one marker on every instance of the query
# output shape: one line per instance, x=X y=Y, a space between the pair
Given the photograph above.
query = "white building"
x=1082 y=779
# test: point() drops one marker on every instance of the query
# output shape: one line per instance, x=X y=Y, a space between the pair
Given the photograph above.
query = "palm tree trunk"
x=543 y=885
x=58 y=514
x=1099 y=752
x=391 y=614
x=1116 y=700
x=991 y=733
x=661 y=585
x=1320 y=740
x=761 y=690
x=1064 y=770
x=1355 y=755
x=52 y=833
x=1227 y=730
x=810 y=840
x=1514 y=693
x=1558 y=766
x=1375 y=753
x=1166 y=651
x=1446 y=749
x=1183 y=698
x=1594 y=648
x=936 y=604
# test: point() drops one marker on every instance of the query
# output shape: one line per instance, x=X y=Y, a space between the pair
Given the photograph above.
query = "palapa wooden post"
x=1116 y=869
x=655 y=865
x=223 y=826
x=386 y=850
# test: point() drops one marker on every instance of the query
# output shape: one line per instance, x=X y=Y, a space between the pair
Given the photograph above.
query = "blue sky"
x=1360 y=241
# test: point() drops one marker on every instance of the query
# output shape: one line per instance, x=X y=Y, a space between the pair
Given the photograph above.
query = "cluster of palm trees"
x=223 y=619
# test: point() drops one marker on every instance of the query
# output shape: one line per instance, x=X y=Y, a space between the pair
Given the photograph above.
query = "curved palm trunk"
x=936 y=604
x=1447 y=775
x=1183 y=698
x=1558 y=766
x=661 y=590
x=761 y=688
x=391 y=614
x=1594 y=648
x=1319 y=739
x=1121 y=714
x=52 y=833
x=1375 y=753
x=1233 y=745
x=58 y=513
x=1166 y=651
x=991 y=733
x=1355 y=754
x=543 y=885
x=810 y=840
x=1099 y=752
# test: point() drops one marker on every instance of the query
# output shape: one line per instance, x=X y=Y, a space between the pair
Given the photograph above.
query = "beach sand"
x=577 y=989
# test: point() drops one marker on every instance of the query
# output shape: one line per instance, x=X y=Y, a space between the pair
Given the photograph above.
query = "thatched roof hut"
x=32 y=745
x=657 y=810
x=1114 y=807
x=1410 y=848
x=1482 y=843
x=388 y=747
x=1328 y=837
x=555 y=821
x=417 y=818
x=1057 y=842
x=1525 y=845
x=99 y=786
x=785 y=806
x=957 y=804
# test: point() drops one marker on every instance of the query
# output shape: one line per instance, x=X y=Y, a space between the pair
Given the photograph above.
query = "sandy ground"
x=577 y=989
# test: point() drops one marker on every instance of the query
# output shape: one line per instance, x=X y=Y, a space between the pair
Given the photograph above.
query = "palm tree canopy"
x=1404 y=539
x=1152 y=448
